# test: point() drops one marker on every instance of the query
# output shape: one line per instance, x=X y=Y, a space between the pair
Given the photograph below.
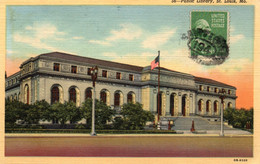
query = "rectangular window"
x=73 y=69
x=104 y=73
x=131 y=77
x=118 y=75
x=56 y=67
x=208 y=89
x=229 y=92
x=89 y=71
x=200 y=87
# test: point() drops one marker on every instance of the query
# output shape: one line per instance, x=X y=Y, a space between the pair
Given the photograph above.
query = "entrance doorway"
x=172 y=104
x=183 y=105
x=159 y=104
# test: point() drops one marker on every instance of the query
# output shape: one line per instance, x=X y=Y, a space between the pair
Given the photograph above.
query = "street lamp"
x=94 y=73
x=222 y=97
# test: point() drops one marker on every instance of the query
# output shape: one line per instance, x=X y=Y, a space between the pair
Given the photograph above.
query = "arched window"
x=184 y=104
x=117 y=99
x=26 y=94
x=215 y=106
x=172 y=104
x=129 y=98
x=103 y=96
x=207 y=106
x=88 y=94
x=200 y=105
x=229 y=105
x=72 y=95
x=55 y=95
x=15 y=97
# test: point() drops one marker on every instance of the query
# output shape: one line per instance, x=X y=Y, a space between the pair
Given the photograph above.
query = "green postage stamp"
x=208 y=37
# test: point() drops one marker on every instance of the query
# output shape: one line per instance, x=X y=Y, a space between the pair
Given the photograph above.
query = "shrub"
x=133 y=117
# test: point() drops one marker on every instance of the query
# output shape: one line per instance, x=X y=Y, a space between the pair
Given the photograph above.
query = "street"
x=130 y=146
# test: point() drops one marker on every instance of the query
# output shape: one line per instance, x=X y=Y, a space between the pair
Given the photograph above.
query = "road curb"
x=13 y=135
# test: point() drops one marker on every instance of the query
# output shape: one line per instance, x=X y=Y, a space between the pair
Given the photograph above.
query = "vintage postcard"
x=123 y=82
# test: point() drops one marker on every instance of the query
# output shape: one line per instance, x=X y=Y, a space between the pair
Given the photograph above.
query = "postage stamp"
x=208 y=37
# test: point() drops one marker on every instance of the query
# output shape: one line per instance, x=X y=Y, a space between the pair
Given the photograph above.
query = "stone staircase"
x=184 y=123
x=202 y=125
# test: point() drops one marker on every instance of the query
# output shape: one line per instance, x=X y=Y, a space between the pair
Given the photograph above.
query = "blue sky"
x=127 y=34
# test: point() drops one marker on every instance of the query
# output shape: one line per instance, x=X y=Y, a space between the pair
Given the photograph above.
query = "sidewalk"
x=212 y=133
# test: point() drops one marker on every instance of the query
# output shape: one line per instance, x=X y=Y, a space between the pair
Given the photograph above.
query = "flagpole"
x=158 y=97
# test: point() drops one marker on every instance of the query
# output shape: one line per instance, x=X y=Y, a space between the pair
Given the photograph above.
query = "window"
x=73 y=69
x=216 y=90
x=229 y=92
x=131 y=77
x=118 y=75
x=229 y=105
x=56 y=67
x=104 y=73
x=55 y=95
x=103 y=96
x=215 y=106
x=200 y=105
x=201 y=88
x=117 y=100
x=207 y=106
x=129 y=98
x=72 y=94
x=27 y=94
x=208 y=89
x=89 y=71
x=88 y=94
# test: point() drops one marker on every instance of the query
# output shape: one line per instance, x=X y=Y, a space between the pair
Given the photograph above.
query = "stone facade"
x=64 y=77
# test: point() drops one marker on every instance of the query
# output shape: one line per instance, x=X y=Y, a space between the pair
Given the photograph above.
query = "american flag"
x=155 y=63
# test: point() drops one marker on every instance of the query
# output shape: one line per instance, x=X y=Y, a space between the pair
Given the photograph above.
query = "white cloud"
x=236 y=38
x=126 y=32
x=34 y=42
x=158 y=39
x=104 y=43
x=78 y=37
x=45 y=30
x=36 y=34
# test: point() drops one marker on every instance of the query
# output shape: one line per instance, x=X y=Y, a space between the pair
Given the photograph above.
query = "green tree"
x=74 y=112
x=133 y=117
x=15 y=110
x=228 y=115
x=250 y=117
x=238 y=118
x=65 y=112
x=37 y=111
x=103 y=113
